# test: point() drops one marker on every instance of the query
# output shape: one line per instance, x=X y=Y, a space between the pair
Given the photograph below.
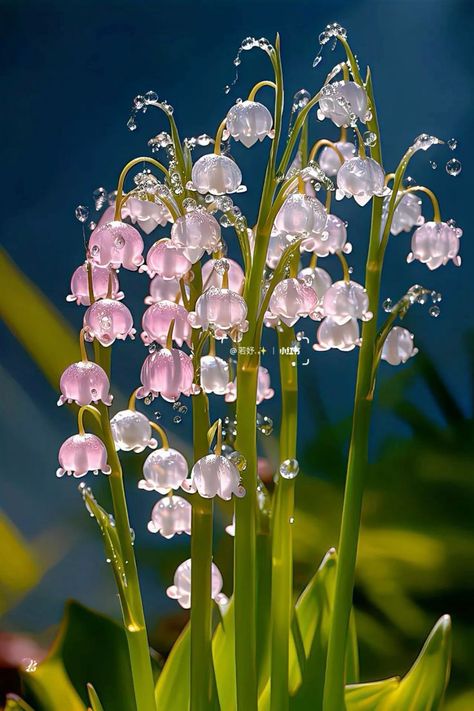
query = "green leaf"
x=94 y=699
x=14 y=703
x=90 y=648
x=224 y=656
x=20 y=570
x=366 y=697
x=172 y=687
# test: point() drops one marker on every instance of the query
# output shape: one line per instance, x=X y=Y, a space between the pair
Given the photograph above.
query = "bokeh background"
x=69 y=74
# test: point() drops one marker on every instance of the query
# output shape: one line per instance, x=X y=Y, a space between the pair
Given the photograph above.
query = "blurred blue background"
x=69 y=74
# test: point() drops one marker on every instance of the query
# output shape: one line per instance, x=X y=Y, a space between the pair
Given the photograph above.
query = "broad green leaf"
x=366 y=697
x=223 y=655
x=49 y=687
x=172 y=687
x=20 y=569
x=94 y=699
x=14 y=703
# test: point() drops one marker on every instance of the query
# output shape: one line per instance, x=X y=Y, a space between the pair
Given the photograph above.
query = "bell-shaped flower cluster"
x=406 y=215
x=333 y=239
x=148 y=214
x=345 y=300
x=171 y=515
x=301 y=214
x=163 y=290
x=214 y=373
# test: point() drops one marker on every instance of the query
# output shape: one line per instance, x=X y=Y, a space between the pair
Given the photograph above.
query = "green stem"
x=282 y=533
x=137 y=639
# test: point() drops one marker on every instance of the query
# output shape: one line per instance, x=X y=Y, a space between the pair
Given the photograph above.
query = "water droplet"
x=152 y=348
x=82 y=213
x=139 y=102
x=106 y=323
x=433 y=164
x=29 y=665
x=131 y=125
x=177 y=419
x=452 y=144
x=453 y=167
x=119 y=242
x=289 y=468
x=451 y=223
x=317 y=60
x=387 y=305
x=176 y=405
x=226 y=89
x=434 y=311
x=100 y=197
x=436 y=297
x=238 y=460
x=183 y=409
x=95 y=250
x=151 y=96
x=248 y=43
x=148 y=400
x=300 y=99
x=92 y=225
x=291 y=519
x=266 y=428
x=370 y=138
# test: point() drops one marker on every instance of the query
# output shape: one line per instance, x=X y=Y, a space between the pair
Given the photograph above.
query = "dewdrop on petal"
x=106 y=320
x=328 y=159
x=181 y=590
x=83 y=383
x=301 y=213
x=167 y=372
x=214 y=375
x=222 y=311
x=196 y=232
x=171 y=515
x=156 y=323
x=332 y=240
x=212 y=274
x=406 y=215
x=80 y=454
x=215 y=475
x=163 y=469
x=131 y=431
x=249 y=122
x=116 y=244
x=341 y=101
x=343 y=337
x=435 y=244
x=166 y=259
x=360 y=178
x=292 y=299
x=264 y=391
x=398 y=346
x=216 y=174
x=345 y=300
x=101 y=278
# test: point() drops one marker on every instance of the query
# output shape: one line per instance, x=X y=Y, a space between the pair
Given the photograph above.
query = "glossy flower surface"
x=332 y=240
x=181 y=590
x=100 y=283
x=83 y=383
x=343 y=337
x=163 y=289
x=360 y=178
x=212 y=272
x=398 y=346
x=299 y=214
x=291 y=299
x=131 y=431
x=318 y=279
x=216 y=174
x=346 y=300
x=221 y=310
x=163 y=469
x=166 y=259
x=249 y=122
x=264 y=390
x=406 y=215
x=171 y=515
x=196 y=232
x=156 y=322
x=116 y=244
x=342 y=100
x=80 y=454
x=167 y=372
x=214 y=375
x=329 y=160
x=215 y=475
x=149 y=215
x=435 y=244
x=106 y=320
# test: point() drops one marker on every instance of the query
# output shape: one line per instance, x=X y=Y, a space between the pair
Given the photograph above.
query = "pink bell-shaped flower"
x=167 y=372
x=214 y=475
x=214 y=375
x=343 y=337
x=216 y=174
x=264 y=391
x=171 y=515
x=106 y=320
x=434 y=244
x=163 y=469
x=342 y=101
x=345 y=300
x=116 y=244
x=329 y=161
x=360 y=178
x=398 y=346
x=163 y=290
x=156 y=323
x=131 y=431
x=147 y=214
x=196 y=232
x=277 y=244
x=83 y=383
x=166 y=259
x=100 y=282
x=292 y=299
x=82 y=453
x=249 y=122
x=332 y=240
x=318 y=279
x=222 y=311
x=301 y=214
x=181 y=590
x=406 y=215
x=213 y=270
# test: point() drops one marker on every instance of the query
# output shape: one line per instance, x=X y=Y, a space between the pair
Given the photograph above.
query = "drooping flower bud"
x=84 y=382
x=167 y=372
x=163 y=469
x=116 y=244
x=106 y=320
x=196 y=232
x=290 y=300
x=332 y=240
x=249 y=122
x=345 y=300
x=299 y=214
x=131 y=431
x=101 y=276
x=181 y=590
x=342 y=102
x=343 y=337
x=166 y=259
x=216 y=174
x=398 y=346
x=82 y=453
x=156 y=322
x=222 y=311
x=329 y=161
x=406 y=215
x=215 y=475
x=435 y=244
x=214 y=375
x=171 y=515
x=360 y=178
x=264 y=391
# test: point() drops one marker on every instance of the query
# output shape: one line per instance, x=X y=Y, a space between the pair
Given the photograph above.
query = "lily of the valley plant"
x=251 y=648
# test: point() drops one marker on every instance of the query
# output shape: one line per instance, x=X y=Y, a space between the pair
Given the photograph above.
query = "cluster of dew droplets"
x=424 y=141
x=417 y=294
x=141 y=103
x=332 y=31
x=264 y=424
x=453 y=165
x=101 y=198
x=247 y=44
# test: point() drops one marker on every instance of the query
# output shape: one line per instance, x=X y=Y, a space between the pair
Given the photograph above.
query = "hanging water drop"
x=433 y=164
x=131 y=125
x=452 y=144
x=289 y=468
x=387 y=305
x=434 y=311
x=82 y=213
x=370 y=138
x=453 y=167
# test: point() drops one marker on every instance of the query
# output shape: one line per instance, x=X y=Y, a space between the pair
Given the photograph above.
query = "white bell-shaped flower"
x=249 y=122
x=341 y=101
x=181 y=590
x=360 y=178
x=163 y=469
x=215 y=475
x=163 y=289
x=301 y=213
x=332 y=240
x=131 y=431
x=290 y=300
x=318 y=279
x=171 y=515
x=329 y=161
x=214 y=375
x=264 y=391
x=398 y=346
x=196 y=232
x=149 y=215
x=216 y=174
x=434 y=244
x=406 y=215
x=213 y=270
x=277 y=244
x=345 y=300
x=222 y=311
x=343 y=337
